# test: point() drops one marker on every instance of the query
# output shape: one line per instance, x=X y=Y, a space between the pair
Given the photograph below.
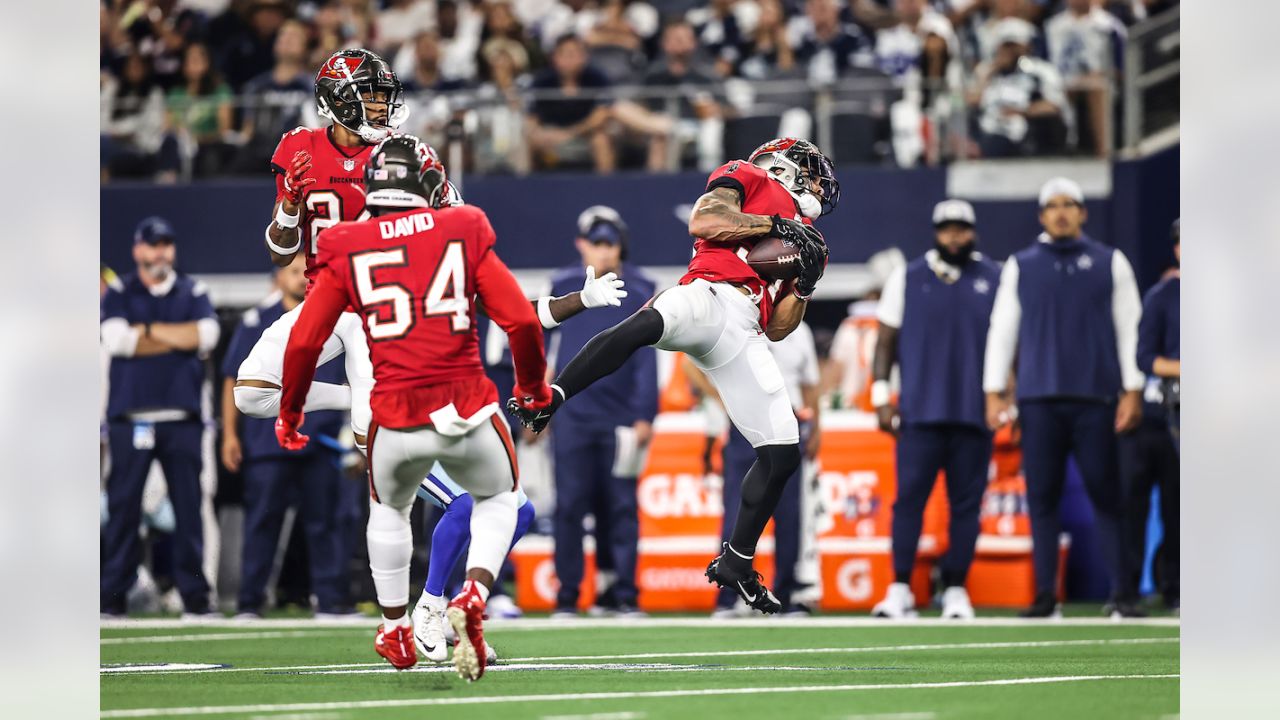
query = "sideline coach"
x=1068 y=306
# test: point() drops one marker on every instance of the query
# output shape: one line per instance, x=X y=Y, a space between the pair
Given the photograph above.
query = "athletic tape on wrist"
x=544 y=313
x=880 y=394
x=282 y=250
x=284 y=219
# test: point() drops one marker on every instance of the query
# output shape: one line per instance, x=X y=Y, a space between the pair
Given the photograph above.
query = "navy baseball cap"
x=153 y=230
x=604 y=231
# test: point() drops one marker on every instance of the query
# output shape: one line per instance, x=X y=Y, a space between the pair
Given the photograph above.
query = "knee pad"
x=258 y=402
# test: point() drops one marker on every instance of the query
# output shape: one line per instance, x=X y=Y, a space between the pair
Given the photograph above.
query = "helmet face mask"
x=404 y=172
x=801 y=168
x=352 y=80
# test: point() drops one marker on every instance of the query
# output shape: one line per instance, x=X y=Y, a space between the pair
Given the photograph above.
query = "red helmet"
x=798 y=164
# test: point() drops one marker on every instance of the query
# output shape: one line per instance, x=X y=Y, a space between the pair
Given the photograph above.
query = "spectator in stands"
x=767 y=52
x=1069 y=307
x=499 y=144
x=133 y=125
x=1149 y=456
x=825 y=45
x=400 y=21
x=1019 y=97
x=277 y=99
x=933 y=316
x=612 y=28
x=200 y=113
x=721 y=32
x=275 y=478
x=601 y=444
x=1086 y=44
x=566 y=17
x=981 y=17
x=158 y=327
x=458 y=27
x=573 y=123
x=427 y=76
x=922 y=41
x=698 y=114
x=337 y=26
x=250 y=46
x=500 y=24
x=426 y=91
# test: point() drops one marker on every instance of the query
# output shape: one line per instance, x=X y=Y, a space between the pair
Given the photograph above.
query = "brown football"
x=775 y=260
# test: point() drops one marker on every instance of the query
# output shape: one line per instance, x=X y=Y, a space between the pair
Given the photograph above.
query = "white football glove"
x=604 y=290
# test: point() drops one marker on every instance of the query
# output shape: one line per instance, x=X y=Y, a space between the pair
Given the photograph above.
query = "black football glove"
x=793 y=232
x=813 y=261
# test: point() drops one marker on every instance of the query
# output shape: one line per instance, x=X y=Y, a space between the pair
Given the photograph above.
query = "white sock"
x=481 y=590
x=493 y=523
x=402 y=621
x=390 y=548
x=435 y=602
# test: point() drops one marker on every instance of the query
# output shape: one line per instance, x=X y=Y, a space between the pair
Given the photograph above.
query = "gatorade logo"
x=679 y=495
x=853 y=580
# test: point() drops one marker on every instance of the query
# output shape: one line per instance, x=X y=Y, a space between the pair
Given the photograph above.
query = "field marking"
x=429 y=668
x=599 y=716
x=722 y=653
x=540 y=624
x=558 y=697
x=201 y=637
x=893 y=716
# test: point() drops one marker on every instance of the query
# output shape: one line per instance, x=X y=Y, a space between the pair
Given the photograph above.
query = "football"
x=775 y=259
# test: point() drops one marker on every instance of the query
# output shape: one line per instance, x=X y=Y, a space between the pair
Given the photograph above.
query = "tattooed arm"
x=718 y=217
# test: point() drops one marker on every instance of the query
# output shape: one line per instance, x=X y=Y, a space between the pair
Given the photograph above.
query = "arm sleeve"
x=206 y=318
x=319 y=315
x=507 y=306
x=1002 y=337
x=893 y=298
x=1126 y=312
x=118 y=339
x=645 y=397
x=1150 y=334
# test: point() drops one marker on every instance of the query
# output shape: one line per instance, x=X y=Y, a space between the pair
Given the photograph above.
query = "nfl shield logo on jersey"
x=348 y=165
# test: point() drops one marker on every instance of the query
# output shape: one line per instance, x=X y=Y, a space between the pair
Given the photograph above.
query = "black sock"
x=761 y=488
x=902 y=577
x=607 y=351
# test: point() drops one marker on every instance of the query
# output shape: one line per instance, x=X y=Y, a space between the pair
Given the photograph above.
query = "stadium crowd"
x=201 y=88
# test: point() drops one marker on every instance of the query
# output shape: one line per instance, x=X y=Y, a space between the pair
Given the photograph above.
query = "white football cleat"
x=898 y=603
x=428 y=628
x=490 y=655
x=955 y=604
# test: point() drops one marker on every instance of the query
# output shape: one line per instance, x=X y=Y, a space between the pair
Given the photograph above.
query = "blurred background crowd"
x=205 y=88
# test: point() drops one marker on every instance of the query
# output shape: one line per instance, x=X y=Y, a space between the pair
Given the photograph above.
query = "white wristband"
x=544 y=313
x=284 y=219
x=282 y=250
x=880 y=395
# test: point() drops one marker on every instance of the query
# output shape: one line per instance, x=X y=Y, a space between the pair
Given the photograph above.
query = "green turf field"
x=831 y=667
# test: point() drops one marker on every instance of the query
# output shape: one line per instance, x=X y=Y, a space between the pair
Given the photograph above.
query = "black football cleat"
x=535 y=420
x=1123 y=609
x=747 y=584
x=1044 y=606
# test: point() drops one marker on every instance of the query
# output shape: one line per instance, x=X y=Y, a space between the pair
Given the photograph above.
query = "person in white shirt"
x=1086 y=44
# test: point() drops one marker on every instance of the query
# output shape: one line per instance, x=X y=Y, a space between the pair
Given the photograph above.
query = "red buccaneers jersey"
x=726 y=262
x=338 y=192
x=413 y=278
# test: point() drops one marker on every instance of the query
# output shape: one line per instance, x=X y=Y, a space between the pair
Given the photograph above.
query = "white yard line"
x=202 y=637
x=426 y=702
x=711 y=654
x=652 y=622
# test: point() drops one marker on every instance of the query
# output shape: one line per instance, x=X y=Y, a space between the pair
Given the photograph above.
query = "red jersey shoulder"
x=341 y=240
x=739 y=175
x=299 y=138
x=471 y=222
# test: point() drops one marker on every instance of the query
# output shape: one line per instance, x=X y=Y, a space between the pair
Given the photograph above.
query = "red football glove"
x=287 y=433
x=295 y=180
x=536 y=398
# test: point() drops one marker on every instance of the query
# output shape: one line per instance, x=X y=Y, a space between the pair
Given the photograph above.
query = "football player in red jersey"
x=720 y=314
x=319 y=183
x=413 y=273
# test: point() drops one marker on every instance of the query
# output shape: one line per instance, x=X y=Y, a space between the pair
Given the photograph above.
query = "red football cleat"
x=396 y=645
x=466 y=617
